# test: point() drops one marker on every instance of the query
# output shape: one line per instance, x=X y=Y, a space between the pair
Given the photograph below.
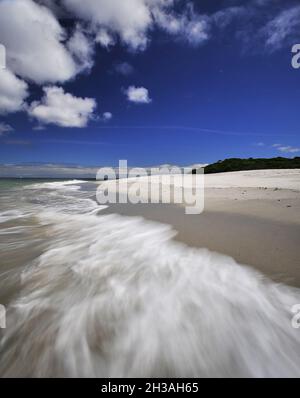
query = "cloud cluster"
x=131 y=21
x=40 y=50
x=62 y=109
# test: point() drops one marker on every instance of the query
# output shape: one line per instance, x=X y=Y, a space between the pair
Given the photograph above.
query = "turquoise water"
x=7 y=183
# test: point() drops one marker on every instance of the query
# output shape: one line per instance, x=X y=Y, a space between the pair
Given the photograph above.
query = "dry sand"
x=253 y=216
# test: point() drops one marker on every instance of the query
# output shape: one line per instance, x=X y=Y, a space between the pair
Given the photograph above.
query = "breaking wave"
x=115 y=296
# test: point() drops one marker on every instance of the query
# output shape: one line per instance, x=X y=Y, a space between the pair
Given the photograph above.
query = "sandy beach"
x=151 y=291
x=252 y=216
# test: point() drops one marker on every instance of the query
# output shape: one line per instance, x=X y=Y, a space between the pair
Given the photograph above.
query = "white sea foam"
x=63 y=196
x=116 y=296
x=71 y=184
x=9 y=215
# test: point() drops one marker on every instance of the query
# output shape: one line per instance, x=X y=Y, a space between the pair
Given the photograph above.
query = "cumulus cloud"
x=39 y=50
x=139 y=95
x=82 y=49
x=5 y=128
x=104 y=38
x=13 y=92
x=132 y=20
x=62 y=109
x=129 y=19
x=34 y=44
x=107 y=116
x=54 y=6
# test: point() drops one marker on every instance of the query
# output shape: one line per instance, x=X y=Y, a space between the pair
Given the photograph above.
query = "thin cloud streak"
x=198 y=129
x=75 y=142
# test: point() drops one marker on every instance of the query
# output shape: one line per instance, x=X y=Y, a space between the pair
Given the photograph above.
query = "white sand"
x=270 y=194
x=281 y=179
x=253 y=216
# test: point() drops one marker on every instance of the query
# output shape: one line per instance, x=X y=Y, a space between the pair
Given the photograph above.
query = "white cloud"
x=284 y=27
x=139 y=95
x=82 y=49
x=130 y=19
x=104 y=38
x=188 y=25
x=40 y=50
x=261 y=24
x=34 y=42
x=62 y=109
x=13 y=92
x=54 y=6
x=5 y=128
x=287 y=149
x=196 y=31
x=226 y=16
x=107 y=116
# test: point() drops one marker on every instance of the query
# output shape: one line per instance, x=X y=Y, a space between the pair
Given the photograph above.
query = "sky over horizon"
x=149 y=81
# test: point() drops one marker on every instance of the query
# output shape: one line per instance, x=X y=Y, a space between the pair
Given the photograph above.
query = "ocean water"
x=94 y=295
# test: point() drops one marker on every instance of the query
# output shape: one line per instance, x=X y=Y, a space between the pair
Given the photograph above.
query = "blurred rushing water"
x=94 y=295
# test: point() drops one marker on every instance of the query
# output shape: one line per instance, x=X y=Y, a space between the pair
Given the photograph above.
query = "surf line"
x=124 y=388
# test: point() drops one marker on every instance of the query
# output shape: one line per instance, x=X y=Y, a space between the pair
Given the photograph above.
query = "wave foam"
x=71 y=184
x=116 y=297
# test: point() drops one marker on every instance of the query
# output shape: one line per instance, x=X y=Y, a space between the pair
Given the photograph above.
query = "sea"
x=94 y=294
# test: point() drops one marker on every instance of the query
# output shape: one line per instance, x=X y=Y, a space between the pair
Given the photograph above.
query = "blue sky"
x=155 y=82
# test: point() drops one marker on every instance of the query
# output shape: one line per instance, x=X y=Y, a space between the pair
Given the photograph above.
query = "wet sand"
x=257 y=225
x=95 y=295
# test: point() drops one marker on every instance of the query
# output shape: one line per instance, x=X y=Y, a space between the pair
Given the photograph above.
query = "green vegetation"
x=236 y=164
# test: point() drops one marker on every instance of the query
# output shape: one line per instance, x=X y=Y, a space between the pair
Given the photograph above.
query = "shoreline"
x=257 y=225
x=270 y=247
